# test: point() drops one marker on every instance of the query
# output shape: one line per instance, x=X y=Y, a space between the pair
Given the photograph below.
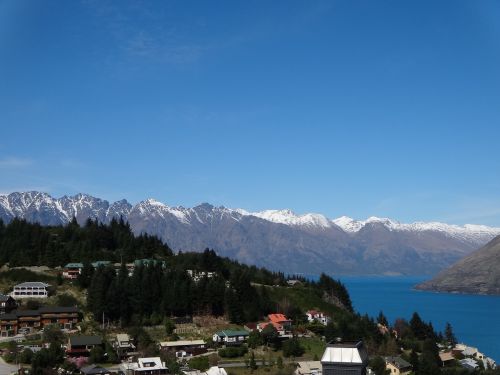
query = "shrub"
x=199 y=363
x=233 y=351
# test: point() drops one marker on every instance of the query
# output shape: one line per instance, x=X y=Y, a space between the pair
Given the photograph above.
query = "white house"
x=198 y=275
x=145 y=366
x=309 y=368
x=317 y=316
x=230 y=337
x=30 y=290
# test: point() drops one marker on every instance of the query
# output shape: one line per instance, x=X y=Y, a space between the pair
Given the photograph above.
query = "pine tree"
x=449 y=335
x=381 y=319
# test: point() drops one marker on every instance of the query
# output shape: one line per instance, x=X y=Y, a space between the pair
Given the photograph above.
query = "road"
x=5 y=368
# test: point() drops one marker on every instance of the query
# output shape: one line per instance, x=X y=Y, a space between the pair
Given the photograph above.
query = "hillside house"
x=66 y=317
x=230 y=337
x=198 y=275
x=7 y=304
x=123 y=345
x=469 y=364
x=81 y=345
x=446 y=358
x=308 y=368
x=184 y=348
x=280 y=322
x=30 y=289
x=317 y=316
x=398 y=366
x=26 y=321
x=145 y=366
x=71 y=271
x=149 y=262
x=94 y=370
x=345 y=357
x=8 y=325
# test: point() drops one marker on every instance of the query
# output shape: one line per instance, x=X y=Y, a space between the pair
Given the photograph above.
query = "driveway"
x=5 y=368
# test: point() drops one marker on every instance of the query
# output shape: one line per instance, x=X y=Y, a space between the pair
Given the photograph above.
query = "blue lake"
x=475 y=318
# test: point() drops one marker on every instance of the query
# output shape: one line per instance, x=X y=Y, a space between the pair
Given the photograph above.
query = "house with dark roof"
x=184 y=348
x=81 y=345
x=66 y=317
x=94 y=370
x=26 y=321
x=398 y=366
x=8 y=325
x=7 y=304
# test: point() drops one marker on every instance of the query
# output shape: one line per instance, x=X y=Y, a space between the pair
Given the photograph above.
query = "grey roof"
x=94 y=370
x=33 y=284
x=399 y=362
x=469 y=363
x=4 y=298
x=8 y=317
x=20 y=313
x=58 y=309
x=85 y=340
x=231 y=333
x=345 y=352
x=74 y=265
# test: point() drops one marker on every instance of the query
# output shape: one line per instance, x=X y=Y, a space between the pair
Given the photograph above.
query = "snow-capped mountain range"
x=278 y=239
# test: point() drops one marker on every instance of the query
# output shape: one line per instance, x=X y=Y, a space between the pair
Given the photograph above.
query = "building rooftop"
x=99 y=263
x=308 y=367
x=21 y=313
x=122 y=337
x=232 y=333
x=152 y=363
x=348 y=352
x=173 y=344
x=398 y=362
x=4 y=298
x=446 y=356
x=10 y=316
x=74 y=265
x=278 y=318
x=32 y=284
x=81 y=340
x=58 y=309
x=94 y=370
x=469 y=363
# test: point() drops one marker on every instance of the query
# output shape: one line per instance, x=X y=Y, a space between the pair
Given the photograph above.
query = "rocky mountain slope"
x=478 y=273
x=277 y=239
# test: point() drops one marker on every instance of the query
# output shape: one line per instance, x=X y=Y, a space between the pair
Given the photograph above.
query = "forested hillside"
x=27 y=244
x=243 y=293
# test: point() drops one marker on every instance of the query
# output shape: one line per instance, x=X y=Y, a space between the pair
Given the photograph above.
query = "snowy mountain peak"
x=288 y=217
x=41 y=207
x=153 y=202
x=348 y=224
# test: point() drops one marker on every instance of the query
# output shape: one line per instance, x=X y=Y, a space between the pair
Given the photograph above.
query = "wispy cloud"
x=15 y=162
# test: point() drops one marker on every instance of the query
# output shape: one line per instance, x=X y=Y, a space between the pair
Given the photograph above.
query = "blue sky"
x=356 y=108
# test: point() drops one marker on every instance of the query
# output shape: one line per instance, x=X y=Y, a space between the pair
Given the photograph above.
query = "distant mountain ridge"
x=277 y=239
